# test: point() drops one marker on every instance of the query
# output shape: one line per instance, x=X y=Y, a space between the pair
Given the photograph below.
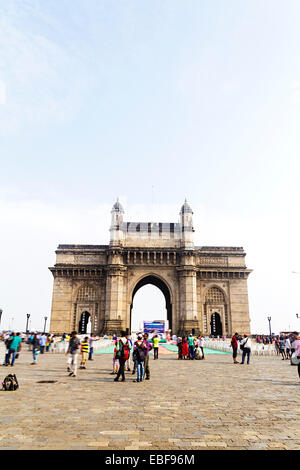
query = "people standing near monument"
x=191 y=347
x=245 y=346
x=127 y=363
x=48 y=342
x=72 y=352
x=92 y=339
x=293 y=338
x=115 y=361
x=179 y=345
x=201 y=345
x=147 y=358
x=139 y=354
x=234 y=345
x=297 y=351
x=7 y=340
x=123 y=351
x=288 y=347
x=155 y=340
x=43 y=341
x=35 y=348
x=276 y=343
x=14 y=346
x=84 y=352
x=185 y=348
x=282 y=347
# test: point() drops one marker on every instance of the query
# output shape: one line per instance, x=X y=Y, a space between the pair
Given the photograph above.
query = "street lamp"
x=269 y=320
x=45 y=323
x=28 y=316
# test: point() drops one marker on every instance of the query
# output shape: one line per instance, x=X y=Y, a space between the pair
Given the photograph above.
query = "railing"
x=60 y=347
x=257 y=349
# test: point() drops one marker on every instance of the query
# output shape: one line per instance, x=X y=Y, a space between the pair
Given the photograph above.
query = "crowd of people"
x=285 y=345
x=190 y=347
x=136 y=352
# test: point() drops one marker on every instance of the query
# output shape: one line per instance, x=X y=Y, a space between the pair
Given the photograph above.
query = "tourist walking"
x=72 y=352
x=234 y=345
x=139 y=354
x=84 y=352
x=147 y=358
x=14 y=347
x=245 y=346
x=123 y=351
x=35 y=348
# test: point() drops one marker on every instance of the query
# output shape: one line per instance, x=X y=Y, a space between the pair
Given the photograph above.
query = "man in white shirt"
x=43 y=340
x=245 y=346
x=288 y=347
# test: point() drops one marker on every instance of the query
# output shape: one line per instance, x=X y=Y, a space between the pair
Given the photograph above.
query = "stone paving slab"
x=210 y=404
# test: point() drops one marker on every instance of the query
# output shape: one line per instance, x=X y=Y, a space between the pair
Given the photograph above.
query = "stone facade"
x=205 y=287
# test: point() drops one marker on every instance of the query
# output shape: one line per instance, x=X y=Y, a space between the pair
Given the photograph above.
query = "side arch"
x=216 y=315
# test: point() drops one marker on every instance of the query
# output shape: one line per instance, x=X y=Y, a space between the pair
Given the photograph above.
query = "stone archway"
x=157 y=282
x=196 y=281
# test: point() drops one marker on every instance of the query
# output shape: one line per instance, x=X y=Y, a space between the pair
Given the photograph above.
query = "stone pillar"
x=239 y=306
x=61 y=310
x=115 y=309
x=189 y=320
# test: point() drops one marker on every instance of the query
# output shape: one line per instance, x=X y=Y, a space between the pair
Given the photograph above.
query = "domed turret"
x=186 y=220
x=117 y=207
x=186 y=208
x=116 y=227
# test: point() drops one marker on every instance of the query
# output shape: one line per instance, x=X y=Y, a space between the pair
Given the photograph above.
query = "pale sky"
x=152 y=102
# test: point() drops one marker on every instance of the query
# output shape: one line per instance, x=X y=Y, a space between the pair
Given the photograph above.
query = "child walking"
x=84 y=352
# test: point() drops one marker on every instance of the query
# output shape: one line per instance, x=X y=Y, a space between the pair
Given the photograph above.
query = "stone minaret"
x=116 y=227
x=186 y=221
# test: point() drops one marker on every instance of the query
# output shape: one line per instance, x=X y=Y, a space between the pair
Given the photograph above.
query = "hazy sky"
x=153 y=102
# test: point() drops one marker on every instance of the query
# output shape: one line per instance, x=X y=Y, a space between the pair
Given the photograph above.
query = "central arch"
x=157 y=282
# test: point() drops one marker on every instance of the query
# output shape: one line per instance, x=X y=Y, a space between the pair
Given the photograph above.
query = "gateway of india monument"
x=205 y=287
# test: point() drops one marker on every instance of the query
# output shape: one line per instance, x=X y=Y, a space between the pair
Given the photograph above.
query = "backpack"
x=242 y=346
x=8 y=342
x=140 y=354
x=124 y=352
x=10 y=383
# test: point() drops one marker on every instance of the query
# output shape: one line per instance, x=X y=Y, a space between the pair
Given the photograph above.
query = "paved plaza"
x=210 y=404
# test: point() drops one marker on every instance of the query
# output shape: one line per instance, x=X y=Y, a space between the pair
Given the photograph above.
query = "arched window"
x=86 y=293
x=214 y=296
